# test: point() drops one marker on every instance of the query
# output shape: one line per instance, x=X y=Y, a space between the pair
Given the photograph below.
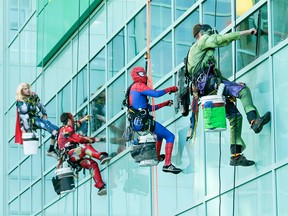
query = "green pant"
x=235 y=118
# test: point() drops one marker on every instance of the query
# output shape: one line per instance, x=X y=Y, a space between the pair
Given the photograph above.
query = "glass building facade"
x=77 y=55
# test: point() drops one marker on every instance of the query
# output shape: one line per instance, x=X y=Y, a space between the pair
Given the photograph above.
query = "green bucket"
x=214 y=114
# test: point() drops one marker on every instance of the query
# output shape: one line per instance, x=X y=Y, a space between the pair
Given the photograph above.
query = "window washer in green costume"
x=206 y=77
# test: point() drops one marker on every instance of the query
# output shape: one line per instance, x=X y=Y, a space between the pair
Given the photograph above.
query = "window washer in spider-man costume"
x=139 y=106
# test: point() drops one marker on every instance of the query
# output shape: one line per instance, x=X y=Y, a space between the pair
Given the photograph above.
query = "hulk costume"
x=202 y=67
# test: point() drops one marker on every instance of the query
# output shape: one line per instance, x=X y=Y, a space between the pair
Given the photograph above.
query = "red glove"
x=171 y=89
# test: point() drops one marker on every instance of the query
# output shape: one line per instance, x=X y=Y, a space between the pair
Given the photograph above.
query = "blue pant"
x=45 y=125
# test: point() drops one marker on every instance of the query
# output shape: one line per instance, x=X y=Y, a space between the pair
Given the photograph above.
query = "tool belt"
x=140 y=120
x=205 y=79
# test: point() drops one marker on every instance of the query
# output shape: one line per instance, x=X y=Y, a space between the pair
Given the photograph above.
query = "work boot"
x=102 y=191
x=240 y=160
x=104 y=158
x=259 y=122
x=171 y=168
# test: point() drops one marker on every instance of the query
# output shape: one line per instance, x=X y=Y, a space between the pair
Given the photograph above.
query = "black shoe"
x=102 y=191
x=104 y=158
x=260 y=122
x=161 y=158
x=240 y=160
x=171 y=168
x=52 y=153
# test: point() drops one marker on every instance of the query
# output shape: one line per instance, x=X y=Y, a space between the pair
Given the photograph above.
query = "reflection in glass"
x=14 y=207
x=13 y=156
x=64 y=103
x=280 y=21
x=97 y=31
x=116 y=54
x=183 y=36
x=223 y=15
x=280 y=65
x=97 y=71
x=161 y=58
x=116 y=96
x=161 y=16
x=98 y=111
x=116 y=130
x=282 y=190
x=25 y=173
x=246 y=47
x=182 y=6
x=80 y=89
x=137 y=34
x=13 y=18
x=13 y=182
x=25 y=204
x=83 y=129
x=36 y=197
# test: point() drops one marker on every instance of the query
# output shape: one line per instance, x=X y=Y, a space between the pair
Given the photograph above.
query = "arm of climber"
x=217 y=40
x=160 y=105
x=158 y=93
x=74 y=137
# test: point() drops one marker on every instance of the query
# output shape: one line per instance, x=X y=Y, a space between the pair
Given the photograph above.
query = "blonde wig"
x=19 y=95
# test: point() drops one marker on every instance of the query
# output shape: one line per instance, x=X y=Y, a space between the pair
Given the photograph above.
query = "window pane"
x=14 y=207
x=64 y=66
x=13 y=18
x=116 y=54
x=80 y=89
x=36 y=197
x=49 y=193
x=183 y=36
x=25 y=204
x=13 y=182
x=181 y=7
x=25 y=11
x=36 y=169
x=13 y=157
x=225 y=60
x=98 y=111
x=116 y=143
x=64 y=97
x=137 y=34
x=223 y=15
x=25 y=173
x=246 y=46
x=83 y=129
x=280 y=65
x=28 y=52
x=160 y=16
x=116 y=96
x=280 y=25
x=282 y=190
x=161 y=58
x=80 y=49
x=116 y=15
x=133 y=192
x=97 y=31
x=97 y=71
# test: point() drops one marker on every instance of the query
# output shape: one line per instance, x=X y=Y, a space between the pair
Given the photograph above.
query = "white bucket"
x=214 y=114
x=30 y=143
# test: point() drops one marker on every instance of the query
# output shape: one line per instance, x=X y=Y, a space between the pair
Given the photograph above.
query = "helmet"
x=139 y=74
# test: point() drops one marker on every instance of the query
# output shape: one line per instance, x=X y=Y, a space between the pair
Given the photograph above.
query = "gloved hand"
x=171 y=89
x=168 y=103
